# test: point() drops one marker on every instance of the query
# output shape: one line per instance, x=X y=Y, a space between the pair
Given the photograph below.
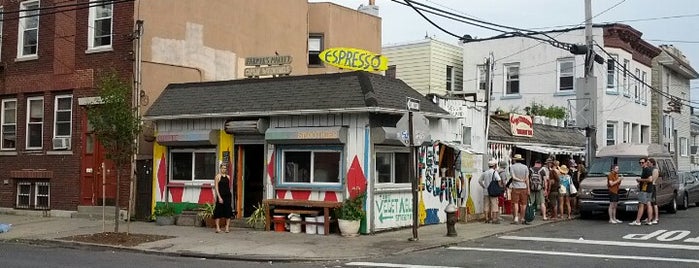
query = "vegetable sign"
x=354 y=59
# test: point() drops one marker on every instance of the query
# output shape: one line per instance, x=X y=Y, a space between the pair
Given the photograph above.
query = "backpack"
x=536 y=181
x=494 y=189
x=529 y=213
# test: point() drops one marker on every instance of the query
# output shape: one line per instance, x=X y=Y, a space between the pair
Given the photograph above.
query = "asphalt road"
x=578 y=243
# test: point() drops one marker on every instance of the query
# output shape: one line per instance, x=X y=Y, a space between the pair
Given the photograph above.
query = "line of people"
x=551 y=184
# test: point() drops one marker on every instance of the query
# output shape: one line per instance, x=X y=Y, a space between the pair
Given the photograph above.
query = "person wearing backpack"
x=539 y=187
x=492 y=189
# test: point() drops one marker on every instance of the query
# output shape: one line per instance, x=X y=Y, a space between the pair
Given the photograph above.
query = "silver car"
x=687 y=189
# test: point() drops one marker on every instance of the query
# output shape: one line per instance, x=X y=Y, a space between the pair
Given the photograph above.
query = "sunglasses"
x=641 y=162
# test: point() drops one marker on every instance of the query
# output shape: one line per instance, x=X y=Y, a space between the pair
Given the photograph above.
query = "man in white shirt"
x=490 y=203
x=520 y=188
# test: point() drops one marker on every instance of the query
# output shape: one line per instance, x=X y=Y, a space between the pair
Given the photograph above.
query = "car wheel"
x=685 y=202
x=672 y=207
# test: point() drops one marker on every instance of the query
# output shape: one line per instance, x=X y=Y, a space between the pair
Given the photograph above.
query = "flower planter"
x=165 y=220
x=348 y=228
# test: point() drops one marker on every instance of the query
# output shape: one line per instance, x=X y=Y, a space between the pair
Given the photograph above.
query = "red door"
x=91 y=173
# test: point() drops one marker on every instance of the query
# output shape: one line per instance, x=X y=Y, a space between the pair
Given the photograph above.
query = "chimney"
x=371 y=9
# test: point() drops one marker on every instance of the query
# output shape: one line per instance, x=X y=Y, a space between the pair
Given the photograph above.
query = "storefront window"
x=311 y=166
x=392 y=167
x=193 y=164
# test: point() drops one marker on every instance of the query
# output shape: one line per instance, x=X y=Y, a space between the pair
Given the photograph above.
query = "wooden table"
x=287 y=205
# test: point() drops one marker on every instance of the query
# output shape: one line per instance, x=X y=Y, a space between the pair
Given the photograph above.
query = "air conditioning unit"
x=571 y=123
x=61 y=143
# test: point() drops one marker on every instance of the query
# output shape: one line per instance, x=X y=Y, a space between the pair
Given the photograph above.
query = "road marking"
x=576 y=254
x=383 y=264
x=603 y=242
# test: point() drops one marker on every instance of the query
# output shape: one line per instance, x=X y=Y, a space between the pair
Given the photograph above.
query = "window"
x=315 y=46
x=612 y=81
x=35 y=122
x=391 y=71
x=8 y=124
x=99 y=26
x=627 y=132
x=512 y=79
x=611 y=133
x=482 y=75
x=193 y=164
x=566 y=73
x=392 y=167
x=626 y=77
x=34 y=195
x=311 y=166
x=644 y=93
x=63 y=116
x=450 y=78
x=636 y=90
x=466 y=135
x=28 y=38
x=683 y=147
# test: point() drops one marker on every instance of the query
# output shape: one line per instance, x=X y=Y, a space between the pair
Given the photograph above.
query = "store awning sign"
x=354 y=59
x=521 y=125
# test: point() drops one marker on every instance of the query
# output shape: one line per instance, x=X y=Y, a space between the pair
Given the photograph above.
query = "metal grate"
x=42 y=197
x=24 y=192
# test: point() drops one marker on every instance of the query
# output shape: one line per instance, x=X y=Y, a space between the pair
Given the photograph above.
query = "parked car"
x=687 y=189
x=593 y=193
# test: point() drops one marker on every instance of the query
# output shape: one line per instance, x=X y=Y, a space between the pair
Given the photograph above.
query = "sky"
x=403 y=24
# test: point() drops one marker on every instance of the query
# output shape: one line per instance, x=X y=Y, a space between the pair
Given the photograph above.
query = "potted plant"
x=206 y=214
x=350 y=214
x=164 y=214
x=257 y=218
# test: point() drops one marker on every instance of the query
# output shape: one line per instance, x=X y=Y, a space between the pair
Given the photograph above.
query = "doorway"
x=96 y=184
x=253 y=176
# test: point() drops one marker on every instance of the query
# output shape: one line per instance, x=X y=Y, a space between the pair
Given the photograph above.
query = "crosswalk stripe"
x=603 y=242
x=576 y=254
x=383 y=264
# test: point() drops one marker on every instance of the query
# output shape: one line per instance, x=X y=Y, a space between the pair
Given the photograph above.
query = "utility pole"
x=488 y=92
x=587 y=89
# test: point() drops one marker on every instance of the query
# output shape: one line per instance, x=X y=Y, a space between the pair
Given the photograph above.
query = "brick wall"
x=62 y=67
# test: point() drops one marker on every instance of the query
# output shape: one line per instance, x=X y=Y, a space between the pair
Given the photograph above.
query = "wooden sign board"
x=271 y=60
x=268 y=70
x=354 y=59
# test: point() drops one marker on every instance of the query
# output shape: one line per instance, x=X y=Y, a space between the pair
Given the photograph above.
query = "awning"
x=555 y=150
x=460 y=147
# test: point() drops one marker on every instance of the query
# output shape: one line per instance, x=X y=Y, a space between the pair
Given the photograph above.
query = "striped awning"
x=555 y=150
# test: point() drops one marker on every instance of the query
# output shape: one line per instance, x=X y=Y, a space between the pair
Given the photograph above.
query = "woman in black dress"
x=223 y=196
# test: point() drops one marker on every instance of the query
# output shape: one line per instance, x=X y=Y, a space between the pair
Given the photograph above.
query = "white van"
x=593 y=193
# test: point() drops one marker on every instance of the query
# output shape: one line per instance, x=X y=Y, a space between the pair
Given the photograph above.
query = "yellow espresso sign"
x=354 y=59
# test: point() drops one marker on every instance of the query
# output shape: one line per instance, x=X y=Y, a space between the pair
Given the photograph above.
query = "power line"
x=623 y=21
x=674 y=41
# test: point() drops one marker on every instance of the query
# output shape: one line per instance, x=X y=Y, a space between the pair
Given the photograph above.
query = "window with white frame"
x=99 y=28
x=24 y=193
x=636 y=83
x=33 y=194
x=684 y=147
x=466 y=135
x=512 y=79
x=63 y=114
x=315 y=46
x=311 y=166
x=42 y=195
x=626 y=78
x=612 y=81
x=644 y=89
x=611 y=133
x=450 y=78
x=566 y=74
x=28 y=37
x=35 y=122
x=193 y=164
x=627 y=132
x=392 y=167
x=8 y=124
x=482 y=79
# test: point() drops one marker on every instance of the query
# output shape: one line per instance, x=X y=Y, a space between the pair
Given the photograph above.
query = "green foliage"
x=114 y=120
x=164 y=210
x=556 y=112
x=206 y=210
x=352 y=208
x=257 y=216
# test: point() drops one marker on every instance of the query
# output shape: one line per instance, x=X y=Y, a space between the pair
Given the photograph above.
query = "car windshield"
x=627 y=166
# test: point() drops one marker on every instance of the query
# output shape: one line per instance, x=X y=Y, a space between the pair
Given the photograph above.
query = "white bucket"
x=295 y=226
x=310 y=228
x=320 y=227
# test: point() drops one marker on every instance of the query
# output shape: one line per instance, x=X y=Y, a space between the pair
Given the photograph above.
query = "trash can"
x=279 y=222
x=310 y=226
x=320 y=227
x=295 y=225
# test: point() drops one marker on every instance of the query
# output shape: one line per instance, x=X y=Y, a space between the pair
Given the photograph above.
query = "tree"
x=116 y=125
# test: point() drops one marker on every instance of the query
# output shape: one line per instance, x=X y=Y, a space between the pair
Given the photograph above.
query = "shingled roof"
x=308 y=94
x=499 y=130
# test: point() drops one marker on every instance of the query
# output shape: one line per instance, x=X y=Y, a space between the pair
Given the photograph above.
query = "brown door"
x=91 y=172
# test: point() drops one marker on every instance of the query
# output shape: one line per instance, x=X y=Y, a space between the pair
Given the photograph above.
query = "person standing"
x=520 y=188
x=575 y=177
x=538 y=187
x=613 y=182
x=554 y=191
x=490 y=203
x=644 y=185
x=566 y=181
x=222 y=193
x=654 y=217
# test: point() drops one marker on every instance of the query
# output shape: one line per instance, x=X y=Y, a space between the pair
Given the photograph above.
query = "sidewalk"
x=249 y=244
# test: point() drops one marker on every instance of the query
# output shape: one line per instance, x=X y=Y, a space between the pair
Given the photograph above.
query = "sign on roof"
x=354 y=59
x=271 y=60
x=521 y=125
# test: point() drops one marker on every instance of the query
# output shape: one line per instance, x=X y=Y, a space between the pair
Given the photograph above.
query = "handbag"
x=494 y=189
x=573 y=190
